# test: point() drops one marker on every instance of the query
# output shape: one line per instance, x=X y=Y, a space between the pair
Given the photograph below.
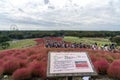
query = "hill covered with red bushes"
x=31 y=62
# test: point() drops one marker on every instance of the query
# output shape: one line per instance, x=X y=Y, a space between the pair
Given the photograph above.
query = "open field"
x=21 y=43
x=99 y=41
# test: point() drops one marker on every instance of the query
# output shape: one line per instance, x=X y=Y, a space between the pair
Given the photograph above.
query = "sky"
x=60 y=15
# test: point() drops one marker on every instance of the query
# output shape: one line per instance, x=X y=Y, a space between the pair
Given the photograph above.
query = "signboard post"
x=69 y=64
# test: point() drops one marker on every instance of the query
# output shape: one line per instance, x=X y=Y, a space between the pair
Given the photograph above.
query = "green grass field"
x=99 y=41
x=21 y=43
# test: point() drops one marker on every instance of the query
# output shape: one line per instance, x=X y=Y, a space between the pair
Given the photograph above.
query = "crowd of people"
x=63 y=44
x=60 y=43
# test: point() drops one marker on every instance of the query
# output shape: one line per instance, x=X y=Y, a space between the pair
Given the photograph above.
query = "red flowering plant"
x=22 y=74
x=114 y=69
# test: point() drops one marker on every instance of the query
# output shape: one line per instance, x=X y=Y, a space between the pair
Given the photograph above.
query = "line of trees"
x=39 y=34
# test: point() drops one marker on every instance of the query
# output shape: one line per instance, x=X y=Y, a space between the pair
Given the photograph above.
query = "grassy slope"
x=100 y=41
x=22 y=43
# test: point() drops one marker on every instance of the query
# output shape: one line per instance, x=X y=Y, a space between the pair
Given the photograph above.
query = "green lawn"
x=21 y=43
x=99 y=41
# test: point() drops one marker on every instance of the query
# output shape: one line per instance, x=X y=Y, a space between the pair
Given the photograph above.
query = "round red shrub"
x=1 y=62
x=22 y=56
x=33 y=57
x=1 y=71
x=2 y=55
x=116 y=55
x=9 y=58
x=93 y=57
x=114 y=69
x=101 y=66
x=43 y=69
x=23 y=63
x=11 y=66
x=22 y=74
x=30 y=53
x=109 y=58
x=35 y=67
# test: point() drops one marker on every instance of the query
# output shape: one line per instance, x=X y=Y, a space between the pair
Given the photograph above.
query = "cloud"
x=61 y=14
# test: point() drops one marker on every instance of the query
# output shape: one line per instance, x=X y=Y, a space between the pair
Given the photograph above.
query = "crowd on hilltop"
x=105 y=47
x=59 y=43
x=63 y=44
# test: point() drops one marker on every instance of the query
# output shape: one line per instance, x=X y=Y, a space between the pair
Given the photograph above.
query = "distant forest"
x=41 y=34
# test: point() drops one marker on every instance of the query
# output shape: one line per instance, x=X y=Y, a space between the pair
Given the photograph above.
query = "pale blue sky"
x=60 y=14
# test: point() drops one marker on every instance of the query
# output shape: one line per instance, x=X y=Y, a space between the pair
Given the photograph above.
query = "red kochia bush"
x=114 y=69
x=1 y=62
x=35 y=67
x=2 y=55
x=23 y=63
x=101 y=66
x=43 y=69
x=1 y=71
x=93 y=57
x=33 y=57
x=22 y=74
x=11 y=66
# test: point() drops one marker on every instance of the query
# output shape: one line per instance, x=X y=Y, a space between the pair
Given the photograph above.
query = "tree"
x=5 y=45
x=115 y=39
x=3 y=41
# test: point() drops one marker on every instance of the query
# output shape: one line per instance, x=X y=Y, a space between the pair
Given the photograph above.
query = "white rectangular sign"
x=69 y=62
